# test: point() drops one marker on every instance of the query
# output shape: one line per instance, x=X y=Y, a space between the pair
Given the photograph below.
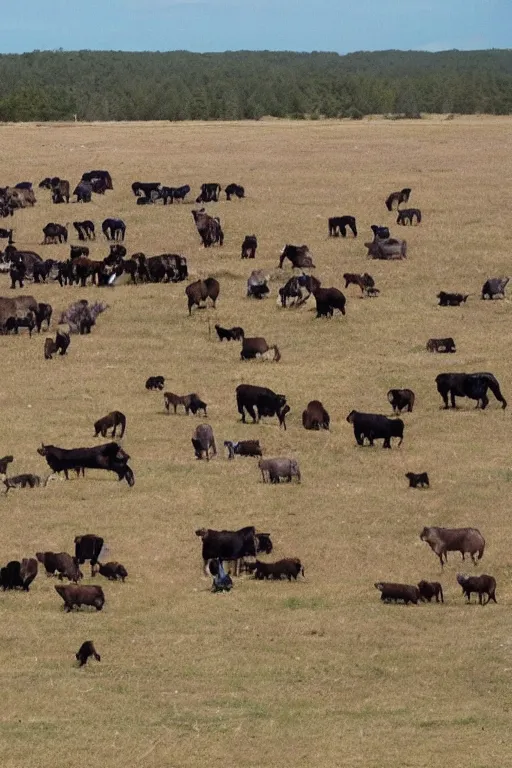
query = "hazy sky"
x=218 y=25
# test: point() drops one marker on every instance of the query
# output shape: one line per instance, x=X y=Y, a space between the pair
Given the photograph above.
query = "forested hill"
x=114 y=85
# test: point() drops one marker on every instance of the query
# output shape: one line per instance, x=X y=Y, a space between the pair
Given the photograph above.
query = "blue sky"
x=218 y=25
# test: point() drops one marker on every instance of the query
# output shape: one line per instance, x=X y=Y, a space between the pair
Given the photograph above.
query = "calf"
x=243 y=448
x=155 y=382
x=315 y=416
x=401 y=399
x=290 y=568
x=441 y=345
x=88 y=547
x=111 y=421
x=190 y=402
x=451 y=299
x=111 y=571
x=249 y=247
x=85 y=652
x=482 y=585
x=4 y=462
x=418 y=480
x=391 y=591
x=22 y=481
x=230 y=334
x=203 y=440
x=10 y=575
x=430 y=589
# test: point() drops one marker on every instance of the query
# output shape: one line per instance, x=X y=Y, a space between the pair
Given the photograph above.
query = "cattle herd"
x=242 y=547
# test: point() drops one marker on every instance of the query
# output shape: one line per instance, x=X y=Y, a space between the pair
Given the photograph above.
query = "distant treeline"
x=113 y=85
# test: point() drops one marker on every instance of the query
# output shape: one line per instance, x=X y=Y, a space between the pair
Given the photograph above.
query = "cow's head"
x=351 y=417
x=43 y=450
x=264 y=543
x=202 y=532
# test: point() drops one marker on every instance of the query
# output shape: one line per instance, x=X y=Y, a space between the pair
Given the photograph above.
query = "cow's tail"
x=418 y=217
x=441 y=593
x=302 y=571
x=495 y=389
x=481 y=552
x=277 y=354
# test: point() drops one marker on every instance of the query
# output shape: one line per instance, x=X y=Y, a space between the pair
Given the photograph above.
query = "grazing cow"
x=58 y=187
x=257 y=284
x=21 y=481
x=10 y=575
x=418 y=479
x=234 y=189
x=83 y=192
x=109 y=456
x=441 y=345
x=81 y=595
x=232 y=545
x=78 y=250
x=174 y=193
x=230 y=334
x=408 y=215
x=111 y=571
x=482 y=585
x=364 y=281
x=4 y=462
x=190 y=402
x=401 y=399
x=392 y=591
x=338 y=225
x=114 y=229
x=55 y=233
x=293 y=289
x=111 y=421
x=375 y=427
x=42 y=270
x=209 y=193
x=145 y=188
x=443 y=540
x=472 y=385
x=28 y=571
x=398 y=198
x=451 y=299
x=49 y=561
x=203 y=440
x=65 y=565
x=261 y=401
x=243 y=448
x=249 y=247
x=258 y=347
x=93 y=176
x=85 y=652
x=222 y=581
x=299 y=255
x=200 y=291
x=379 y=233
x=430 y=589
x=289 y=568
x=155 y=382
x=275 y=469
x=327 y=300
x=494 y=288
x=209 y=228
x=85 y=230
x=315 y=416
x=390 y=249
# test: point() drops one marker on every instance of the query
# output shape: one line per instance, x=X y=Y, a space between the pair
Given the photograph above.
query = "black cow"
x=379 y=233
x=103 y=176
x=451 y=299
x=249 y=247
x=145 y=188
x=233 y=545
x=10 y=575
x=472 y=385
x=327 y=300
x=88 y=547
x=234 y=189
x=209 y=193
x=372 y=426
x=155 y=382
x=109 y=456
x=174 y=193
x=338 y=225
x=85 y=230
x=114 y=229
x=261 y=401
x=54 y=233
x=7 y=234
x=83 y=192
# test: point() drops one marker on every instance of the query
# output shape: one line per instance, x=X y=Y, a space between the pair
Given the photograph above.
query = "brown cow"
x=392 y=591
x=482 y=585
x=443 y=540
x=289 y=567
x=81 y=595
x=200 y=291
x=315 y=416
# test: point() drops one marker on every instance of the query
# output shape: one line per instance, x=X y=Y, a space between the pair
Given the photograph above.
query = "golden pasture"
x=318 y=672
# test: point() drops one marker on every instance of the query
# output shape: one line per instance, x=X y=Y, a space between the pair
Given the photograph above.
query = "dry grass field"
x=318 y=672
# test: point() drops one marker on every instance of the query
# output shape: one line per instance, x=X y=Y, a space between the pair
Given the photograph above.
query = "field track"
x=318 y=672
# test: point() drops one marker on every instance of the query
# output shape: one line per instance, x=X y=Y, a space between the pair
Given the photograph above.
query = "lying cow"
x=391 y=591
x=243 y=448
x=288 y=568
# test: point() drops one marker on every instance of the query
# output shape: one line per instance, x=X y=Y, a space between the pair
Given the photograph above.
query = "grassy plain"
x=317 y=673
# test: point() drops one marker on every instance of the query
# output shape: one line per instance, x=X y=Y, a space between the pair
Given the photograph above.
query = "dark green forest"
x=115 y=85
